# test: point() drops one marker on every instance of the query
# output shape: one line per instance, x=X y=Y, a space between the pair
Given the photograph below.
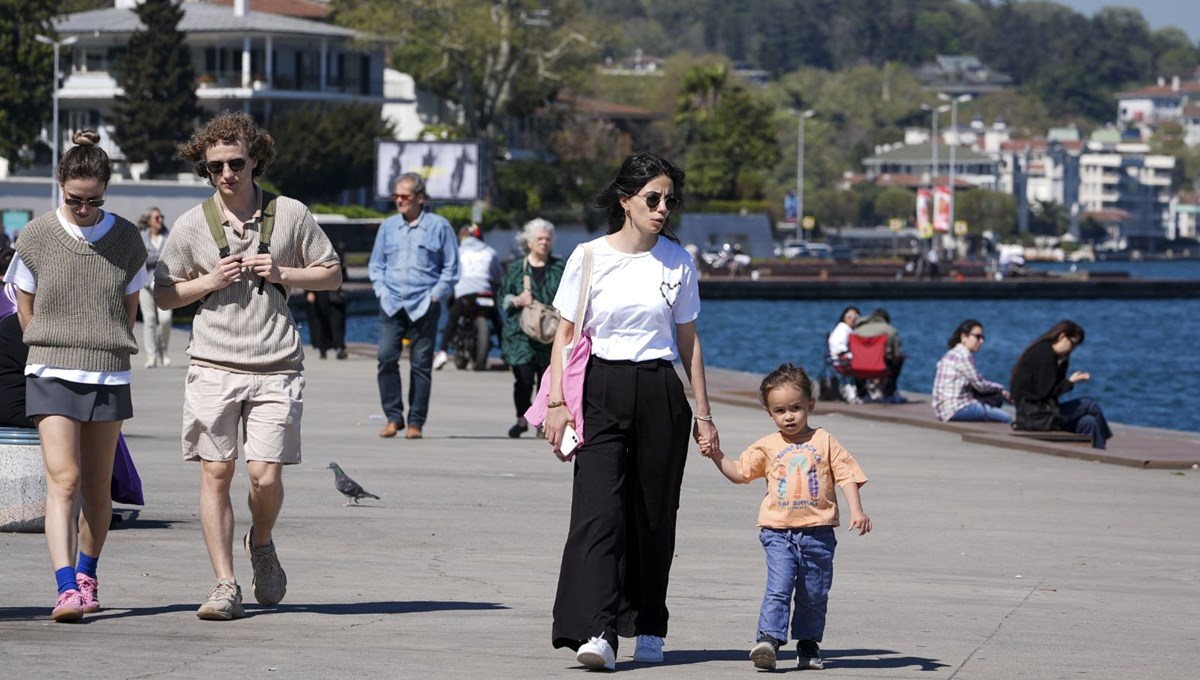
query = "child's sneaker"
x=764 y=653
x=89 y=593
x=649 y=649
x=597 y=653
x=808 y=656
x=68 y=607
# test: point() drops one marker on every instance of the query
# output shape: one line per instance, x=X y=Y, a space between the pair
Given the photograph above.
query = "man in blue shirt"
x=414 y=266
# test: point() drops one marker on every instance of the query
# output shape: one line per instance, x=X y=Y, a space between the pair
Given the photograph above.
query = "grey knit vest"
x=79 y=318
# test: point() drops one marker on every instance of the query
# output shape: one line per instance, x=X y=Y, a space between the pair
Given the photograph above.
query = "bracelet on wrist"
x=556 y=404
x=707 y=419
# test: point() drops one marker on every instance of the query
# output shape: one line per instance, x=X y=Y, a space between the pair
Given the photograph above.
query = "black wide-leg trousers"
x=625 y=497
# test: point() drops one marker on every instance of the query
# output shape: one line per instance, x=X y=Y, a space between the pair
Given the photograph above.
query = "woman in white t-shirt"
x=640 y=315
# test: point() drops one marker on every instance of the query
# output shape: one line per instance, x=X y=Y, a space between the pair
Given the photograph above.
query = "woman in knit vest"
x=78 y=272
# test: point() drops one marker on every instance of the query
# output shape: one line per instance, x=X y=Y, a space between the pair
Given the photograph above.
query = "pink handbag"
x=575 y=361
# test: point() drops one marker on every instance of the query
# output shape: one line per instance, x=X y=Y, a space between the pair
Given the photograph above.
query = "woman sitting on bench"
x=1040 y=376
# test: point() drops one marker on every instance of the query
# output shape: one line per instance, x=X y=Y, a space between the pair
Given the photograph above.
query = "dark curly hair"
x=229 y=127
x=635 y=173
x=787 y=374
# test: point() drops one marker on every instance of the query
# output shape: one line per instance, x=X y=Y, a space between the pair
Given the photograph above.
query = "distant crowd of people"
x=1040 y=376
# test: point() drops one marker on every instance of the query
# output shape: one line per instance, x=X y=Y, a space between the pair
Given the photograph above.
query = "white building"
x=257 y=62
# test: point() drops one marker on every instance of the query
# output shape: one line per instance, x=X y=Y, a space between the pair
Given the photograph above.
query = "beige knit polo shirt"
x=237 y=329
x=79 y=319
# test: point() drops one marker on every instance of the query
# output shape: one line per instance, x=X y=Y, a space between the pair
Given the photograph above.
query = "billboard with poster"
x=941 y=210
x=450 y=169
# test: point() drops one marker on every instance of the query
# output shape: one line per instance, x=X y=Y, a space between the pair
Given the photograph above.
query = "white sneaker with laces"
x=649 y=649
x=597 y=653
x=439 y=360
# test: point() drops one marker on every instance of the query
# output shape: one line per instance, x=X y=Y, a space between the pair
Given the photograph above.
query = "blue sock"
x=66 y=579
x=87 y=565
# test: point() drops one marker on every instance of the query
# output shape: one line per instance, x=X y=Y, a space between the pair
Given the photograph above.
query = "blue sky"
x=1159 y=13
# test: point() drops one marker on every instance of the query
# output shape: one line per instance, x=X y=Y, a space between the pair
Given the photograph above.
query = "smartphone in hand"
x=570 y=441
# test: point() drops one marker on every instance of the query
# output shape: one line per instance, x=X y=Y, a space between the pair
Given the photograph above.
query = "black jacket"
x=1038 y=379
x=13 y=353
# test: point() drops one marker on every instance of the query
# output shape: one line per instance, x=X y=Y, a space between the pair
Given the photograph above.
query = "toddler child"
x=801 y=465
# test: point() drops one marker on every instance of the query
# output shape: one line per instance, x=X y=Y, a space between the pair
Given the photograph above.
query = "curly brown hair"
x=786 y=374
x=229 y=127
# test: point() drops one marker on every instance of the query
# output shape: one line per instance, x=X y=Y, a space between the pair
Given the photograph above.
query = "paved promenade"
x=985 y=563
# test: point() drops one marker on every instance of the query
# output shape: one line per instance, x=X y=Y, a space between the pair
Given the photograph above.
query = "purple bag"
x=126 y=484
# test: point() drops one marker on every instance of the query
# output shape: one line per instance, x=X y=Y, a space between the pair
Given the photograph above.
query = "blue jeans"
x=978 y=411
x=799 y=562
x=392 y=331
x=1084 y=416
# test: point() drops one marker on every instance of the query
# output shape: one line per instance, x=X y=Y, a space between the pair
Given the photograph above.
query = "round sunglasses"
x=216 y=167
x=652 y=200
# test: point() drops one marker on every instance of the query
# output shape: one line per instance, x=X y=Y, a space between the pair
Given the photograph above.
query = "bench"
x=1054 y=436
x=22 y=481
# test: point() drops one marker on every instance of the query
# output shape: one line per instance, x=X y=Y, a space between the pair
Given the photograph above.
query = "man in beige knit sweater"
x=246 y=355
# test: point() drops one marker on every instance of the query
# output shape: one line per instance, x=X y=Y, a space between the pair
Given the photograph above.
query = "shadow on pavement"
x=834 y=658
x=359 y=608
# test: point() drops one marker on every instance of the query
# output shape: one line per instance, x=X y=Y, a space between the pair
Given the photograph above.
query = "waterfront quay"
x=985 y=562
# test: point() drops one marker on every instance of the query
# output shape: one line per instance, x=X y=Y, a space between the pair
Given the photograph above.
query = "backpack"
x=212 y=215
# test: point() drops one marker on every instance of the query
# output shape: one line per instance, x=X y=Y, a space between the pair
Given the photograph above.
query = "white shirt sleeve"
x=20 y=275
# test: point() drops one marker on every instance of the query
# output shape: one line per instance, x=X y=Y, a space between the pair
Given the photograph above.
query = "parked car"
x=793 y=249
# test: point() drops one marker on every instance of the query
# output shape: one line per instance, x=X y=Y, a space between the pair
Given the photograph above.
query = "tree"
x=494 y=59
x=320 y=154
x=894 y=202
x=25 y=74
x=985 y=210
x=738 y=145
x=158 y=108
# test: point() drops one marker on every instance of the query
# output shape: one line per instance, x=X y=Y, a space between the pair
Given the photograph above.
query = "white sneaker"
x=165 y=361
x=439 y=360
x=649 y=649
x=151 y=361
x=597 y=653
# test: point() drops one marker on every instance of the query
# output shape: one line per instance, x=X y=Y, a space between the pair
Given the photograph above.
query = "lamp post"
x=954 y=102
x=934 y=140
x=56 y=44
x=800 y=175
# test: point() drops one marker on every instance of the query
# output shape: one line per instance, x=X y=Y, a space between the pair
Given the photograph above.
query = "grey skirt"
x=77 y=401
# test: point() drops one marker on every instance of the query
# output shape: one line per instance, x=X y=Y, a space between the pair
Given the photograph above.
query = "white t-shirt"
x=636 y=301
x=20 y=275
x=839 y=339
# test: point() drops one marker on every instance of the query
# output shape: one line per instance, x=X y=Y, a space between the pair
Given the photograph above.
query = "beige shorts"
x=265 y=407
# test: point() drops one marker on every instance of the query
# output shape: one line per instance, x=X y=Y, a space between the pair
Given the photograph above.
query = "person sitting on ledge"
x=959 y=392
x=1040 y=377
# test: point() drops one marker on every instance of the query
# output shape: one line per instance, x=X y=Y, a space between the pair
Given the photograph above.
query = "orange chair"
x=867 y=357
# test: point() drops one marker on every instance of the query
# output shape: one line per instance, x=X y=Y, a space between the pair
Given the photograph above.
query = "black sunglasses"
x=215 y=167
x=76 y=202
x=652 y=200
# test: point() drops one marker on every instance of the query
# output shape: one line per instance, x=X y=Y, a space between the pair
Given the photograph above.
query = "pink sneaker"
x=69 y=607
x=89 y=593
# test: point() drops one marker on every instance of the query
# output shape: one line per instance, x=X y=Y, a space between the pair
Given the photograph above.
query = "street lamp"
x=934 y=140
x=56 y=44
x=954 y=102
x=800 y=175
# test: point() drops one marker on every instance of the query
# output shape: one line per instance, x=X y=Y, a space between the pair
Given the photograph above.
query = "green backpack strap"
x=216 y=225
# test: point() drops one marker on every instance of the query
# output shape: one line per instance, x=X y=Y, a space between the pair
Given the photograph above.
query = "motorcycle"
x=473 y=332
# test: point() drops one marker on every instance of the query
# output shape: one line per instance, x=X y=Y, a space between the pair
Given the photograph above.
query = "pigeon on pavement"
x=348 y=487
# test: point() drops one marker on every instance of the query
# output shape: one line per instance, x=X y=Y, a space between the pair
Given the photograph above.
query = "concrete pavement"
x=985 y=562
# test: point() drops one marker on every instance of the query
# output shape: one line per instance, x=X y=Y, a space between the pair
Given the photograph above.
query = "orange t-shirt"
x=800 y=478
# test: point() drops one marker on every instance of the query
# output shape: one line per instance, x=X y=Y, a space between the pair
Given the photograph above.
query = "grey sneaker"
x=224 y=602
x=270 y=583
x=808 y=656
x=763 y=654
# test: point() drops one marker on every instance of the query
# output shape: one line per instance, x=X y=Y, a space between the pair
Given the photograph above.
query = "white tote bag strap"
x=585 y=292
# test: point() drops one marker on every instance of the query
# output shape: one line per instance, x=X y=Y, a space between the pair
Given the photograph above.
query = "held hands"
x=860 y=521
x=705 y=434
